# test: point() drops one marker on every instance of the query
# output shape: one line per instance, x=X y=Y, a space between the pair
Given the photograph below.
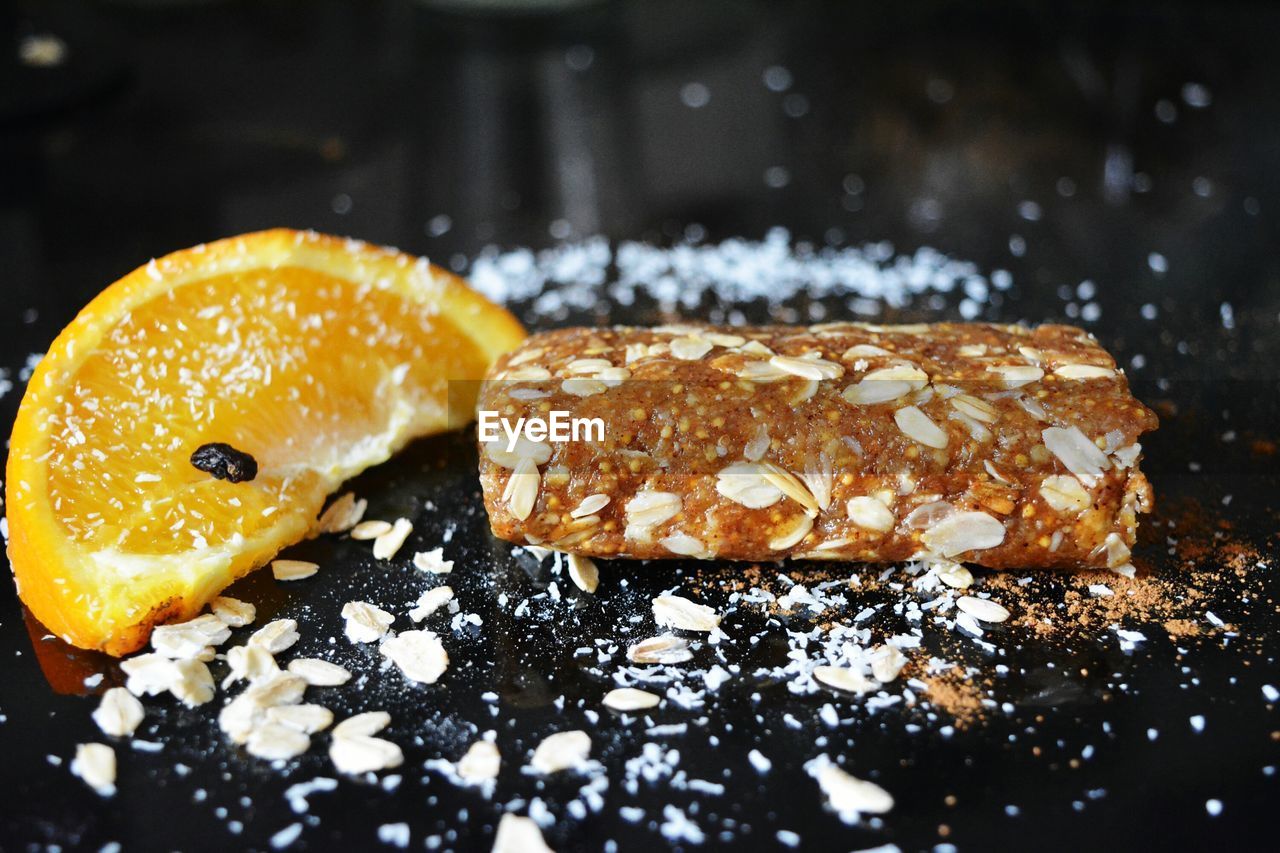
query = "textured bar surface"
x=1003 y=446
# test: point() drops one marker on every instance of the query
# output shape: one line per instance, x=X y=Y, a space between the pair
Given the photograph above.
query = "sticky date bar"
x=1003 y=446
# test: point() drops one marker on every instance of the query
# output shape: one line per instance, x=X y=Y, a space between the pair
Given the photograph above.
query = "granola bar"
x=1004 y=446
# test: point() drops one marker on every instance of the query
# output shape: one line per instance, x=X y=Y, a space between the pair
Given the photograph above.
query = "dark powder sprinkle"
x=224 y=462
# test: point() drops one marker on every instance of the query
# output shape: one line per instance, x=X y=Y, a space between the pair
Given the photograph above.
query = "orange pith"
x=317 y=356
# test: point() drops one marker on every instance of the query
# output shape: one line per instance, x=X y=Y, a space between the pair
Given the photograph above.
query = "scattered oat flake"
x=233 y=612
x=354 y=748
x=189 y=639
x=388 y=544
x=674 y=611
x=341 y=515
x=363 y=724
x=372 y=529
x=119 y=713
x=319 y=673
x=279 y=688
x=365 y=622
x=148 y=674
x=251 y=661
x=356 y=754
x=276 y=636
x=419 y=654
x=193 y=683
x=433 y=562
x=629 y=699
x=519 y=835
x=304 y=718
x=431 y=601
x=276 y=742
x=561 y=751
x=95 y=763
x=293 y=570
x=239 y=717
x=480 y=763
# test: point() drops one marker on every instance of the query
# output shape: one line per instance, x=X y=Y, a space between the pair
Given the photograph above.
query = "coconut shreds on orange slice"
x=315 y=355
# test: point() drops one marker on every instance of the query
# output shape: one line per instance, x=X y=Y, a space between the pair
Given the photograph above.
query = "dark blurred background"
x=1065 y=142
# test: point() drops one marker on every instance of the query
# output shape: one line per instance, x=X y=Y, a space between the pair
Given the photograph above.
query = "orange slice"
x=315 y=355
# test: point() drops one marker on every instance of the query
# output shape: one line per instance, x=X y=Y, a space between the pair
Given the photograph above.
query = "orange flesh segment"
x=235 y=368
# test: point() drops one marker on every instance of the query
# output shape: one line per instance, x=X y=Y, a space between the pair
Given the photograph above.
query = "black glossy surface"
x=199 y=120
